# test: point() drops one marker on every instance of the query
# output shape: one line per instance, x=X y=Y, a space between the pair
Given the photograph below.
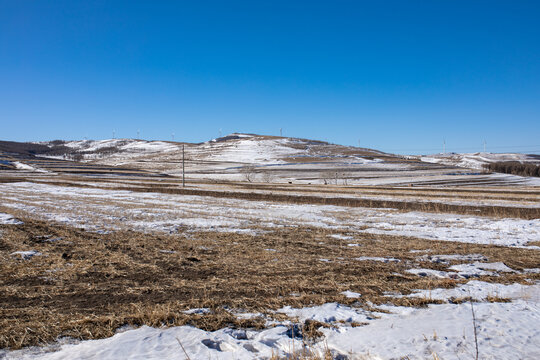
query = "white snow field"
x=101 y=209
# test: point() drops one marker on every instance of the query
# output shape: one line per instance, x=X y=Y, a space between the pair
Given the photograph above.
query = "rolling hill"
x=256 y=158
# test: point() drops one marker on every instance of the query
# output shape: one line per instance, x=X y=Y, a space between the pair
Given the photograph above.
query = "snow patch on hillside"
x=253 y=150
x=26 y=167
x=123 y=145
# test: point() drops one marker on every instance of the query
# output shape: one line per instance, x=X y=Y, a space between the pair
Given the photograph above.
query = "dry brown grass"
x=306 y=353
x=7 y=179
x=86 y=285
x=489 y=298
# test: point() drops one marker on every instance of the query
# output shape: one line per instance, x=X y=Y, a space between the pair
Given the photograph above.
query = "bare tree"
x=342 y=176
x=249 y=172
x=267 y=176
x=329 y=177
x=333 y=177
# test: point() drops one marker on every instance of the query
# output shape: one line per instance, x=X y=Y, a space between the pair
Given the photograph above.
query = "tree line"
x=514 y=168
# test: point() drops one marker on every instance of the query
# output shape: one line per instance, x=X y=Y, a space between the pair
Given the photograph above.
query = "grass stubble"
x=86 y=285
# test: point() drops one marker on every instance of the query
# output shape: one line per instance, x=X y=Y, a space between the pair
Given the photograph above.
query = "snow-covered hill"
x=234 y=148
x=271 y=159
x=478 y=160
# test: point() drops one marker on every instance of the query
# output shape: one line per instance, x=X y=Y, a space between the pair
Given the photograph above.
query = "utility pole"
x=484 y=145
x=172 y=136
x=183 y=167
x=138 y=134
x=219 y=132
x=280 y=131
x=113 y=134
x=444 y=147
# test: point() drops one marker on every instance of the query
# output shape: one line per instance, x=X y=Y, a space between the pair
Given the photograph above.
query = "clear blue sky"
x=399 y=76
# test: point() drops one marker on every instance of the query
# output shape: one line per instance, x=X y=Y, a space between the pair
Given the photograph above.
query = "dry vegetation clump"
x=30 y=149
x=5 y=179
x=306 y=353
x=468 y=299
x=87 y=284
x=534 y=243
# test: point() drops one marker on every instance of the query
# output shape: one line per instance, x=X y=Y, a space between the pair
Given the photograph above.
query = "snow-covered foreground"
x=120 y=209
x=504 y=330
